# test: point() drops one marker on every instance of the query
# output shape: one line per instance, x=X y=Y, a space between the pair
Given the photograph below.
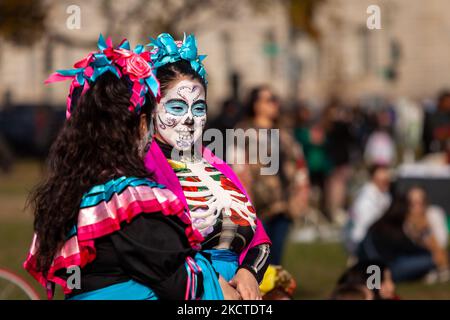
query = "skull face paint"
x=181 y=114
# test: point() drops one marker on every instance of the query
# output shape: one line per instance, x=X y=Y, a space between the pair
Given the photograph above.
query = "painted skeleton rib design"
x=209 y=194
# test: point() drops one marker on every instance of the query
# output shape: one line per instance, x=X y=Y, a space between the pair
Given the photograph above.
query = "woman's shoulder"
x=105 y=206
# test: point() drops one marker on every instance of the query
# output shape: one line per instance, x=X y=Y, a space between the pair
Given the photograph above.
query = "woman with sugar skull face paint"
x=219 y=207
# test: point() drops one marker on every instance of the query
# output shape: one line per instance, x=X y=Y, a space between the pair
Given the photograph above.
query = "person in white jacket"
x=370 y=204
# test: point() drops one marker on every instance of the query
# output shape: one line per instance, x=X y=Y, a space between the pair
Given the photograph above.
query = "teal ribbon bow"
x=99 y=63
x=169 y=52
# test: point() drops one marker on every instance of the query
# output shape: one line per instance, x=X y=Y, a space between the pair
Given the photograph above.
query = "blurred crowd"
x=340 y=166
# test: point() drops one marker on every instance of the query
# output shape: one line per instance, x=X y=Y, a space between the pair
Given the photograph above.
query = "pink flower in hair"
x=138 y=67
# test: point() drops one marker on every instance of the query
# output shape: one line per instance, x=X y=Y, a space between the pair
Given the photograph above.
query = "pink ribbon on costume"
x=191 y=286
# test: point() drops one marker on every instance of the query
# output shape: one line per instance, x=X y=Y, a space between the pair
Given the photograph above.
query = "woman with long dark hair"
x=280 y=197
x=98 y=213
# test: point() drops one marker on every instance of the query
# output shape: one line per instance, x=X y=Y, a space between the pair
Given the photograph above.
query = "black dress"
x=142 y=251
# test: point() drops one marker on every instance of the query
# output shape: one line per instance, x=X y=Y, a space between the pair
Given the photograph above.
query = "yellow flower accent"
x=269 y=280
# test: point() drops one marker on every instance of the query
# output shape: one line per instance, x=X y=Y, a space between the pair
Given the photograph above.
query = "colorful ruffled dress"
x=133 y=240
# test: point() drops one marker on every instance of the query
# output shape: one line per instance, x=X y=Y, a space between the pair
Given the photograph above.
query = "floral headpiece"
x=167 y=50
x=120 y=61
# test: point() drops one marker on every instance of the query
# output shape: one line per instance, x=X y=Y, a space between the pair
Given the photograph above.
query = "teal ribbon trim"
x=211 y=286
x=225 y=262
x=104 y=192
x=130 y=290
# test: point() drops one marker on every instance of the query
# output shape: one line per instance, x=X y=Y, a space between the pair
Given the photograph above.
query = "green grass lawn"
x=316 y=266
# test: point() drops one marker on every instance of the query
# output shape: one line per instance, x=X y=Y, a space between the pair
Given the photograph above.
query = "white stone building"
x=235 y=44
x=414 y=40
x=348 y=59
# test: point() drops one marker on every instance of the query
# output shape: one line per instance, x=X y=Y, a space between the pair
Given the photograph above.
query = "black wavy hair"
x=358 y=275
x=100 y=141
x=253 y=98
x=394 y=218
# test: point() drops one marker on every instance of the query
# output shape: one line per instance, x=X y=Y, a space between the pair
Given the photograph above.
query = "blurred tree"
x=167 y=15
x=301 y=16
x=22 y=22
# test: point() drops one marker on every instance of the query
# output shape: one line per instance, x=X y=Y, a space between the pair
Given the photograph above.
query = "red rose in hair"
x=137 y=66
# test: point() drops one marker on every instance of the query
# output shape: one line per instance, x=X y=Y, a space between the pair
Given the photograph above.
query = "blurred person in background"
x=280 y=197
x=436 y=128
x=231 y=113
x=434 y=215
x=380 y=147
x=339 y=147
x=354 y=283
x=351 y=292
x=6 y=156
x=403 y=240
x=408 y=128
x=362 y=126
x=370 y=204
x=427 y=226
x=311 y=134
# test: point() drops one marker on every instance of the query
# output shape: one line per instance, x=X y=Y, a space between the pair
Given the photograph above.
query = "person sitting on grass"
x=402 y=239
x=361 y=281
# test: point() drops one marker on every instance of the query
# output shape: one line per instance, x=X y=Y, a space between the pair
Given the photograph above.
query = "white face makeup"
x=181 y=114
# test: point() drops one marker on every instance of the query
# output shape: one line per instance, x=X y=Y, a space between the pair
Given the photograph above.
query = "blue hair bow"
x=97 y=60
x=169 y=51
